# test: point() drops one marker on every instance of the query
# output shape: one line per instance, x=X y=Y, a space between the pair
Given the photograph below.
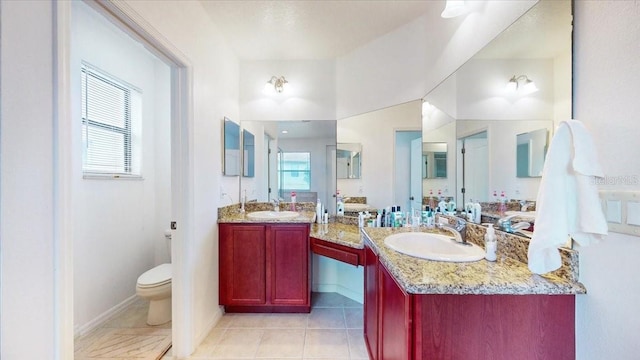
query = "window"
x=110 y=116
x=294 y=170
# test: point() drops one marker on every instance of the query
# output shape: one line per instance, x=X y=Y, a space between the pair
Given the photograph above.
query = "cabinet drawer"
x=337 y=252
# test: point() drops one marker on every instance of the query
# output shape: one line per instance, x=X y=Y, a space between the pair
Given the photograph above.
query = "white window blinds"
x=106 y=125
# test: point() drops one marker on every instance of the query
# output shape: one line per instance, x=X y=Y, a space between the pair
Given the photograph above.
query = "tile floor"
x=125 y=336
x=333 y=330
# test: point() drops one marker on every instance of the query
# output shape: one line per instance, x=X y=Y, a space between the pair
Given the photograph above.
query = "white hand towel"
x=568 y=202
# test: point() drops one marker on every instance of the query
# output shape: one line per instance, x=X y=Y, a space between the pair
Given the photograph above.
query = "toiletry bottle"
x=490 y=243
x=383 y=218
x=318 y=212
x=392 y=217
x=360 y=219
x=502 y=206
x=432 y=204
x=398 y=221
x=325 y=216
x=379 y=220
x=292 y=206
x=477 y=213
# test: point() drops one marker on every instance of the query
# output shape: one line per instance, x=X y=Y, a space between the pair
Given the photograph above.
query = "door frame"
x=182 y=174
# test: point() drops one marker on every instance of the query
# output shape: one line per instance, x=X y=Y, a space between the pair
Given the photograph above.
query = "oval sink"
x=434 y=247
x=272 y=215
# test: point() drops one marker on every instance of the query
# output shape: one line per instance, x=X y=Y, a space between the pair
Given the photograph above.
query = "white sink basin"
x=433 y=247
x=272 y=215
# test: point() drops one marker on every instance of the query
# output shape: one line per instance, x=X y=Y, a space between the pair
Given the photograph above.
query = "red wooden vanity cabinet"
x=264 y=267
x=399 y=326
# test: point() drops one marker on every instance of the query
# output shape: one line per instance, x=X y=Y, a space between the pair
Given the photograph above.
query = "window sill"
x=99 y=176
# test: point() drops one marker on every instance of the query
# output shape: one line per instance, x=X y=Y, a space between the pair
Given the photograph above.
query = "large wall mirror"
x=391 y=147
x=290 y=156
x=231 y=153
x=502 y=125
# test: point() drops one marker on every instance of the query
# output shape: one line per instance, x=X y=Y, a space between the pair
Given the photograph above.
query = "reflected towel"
x=568 y=202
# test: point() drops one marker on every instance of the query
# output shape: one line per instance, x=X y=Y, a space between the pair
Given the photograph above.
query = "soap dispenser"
x=490 y=243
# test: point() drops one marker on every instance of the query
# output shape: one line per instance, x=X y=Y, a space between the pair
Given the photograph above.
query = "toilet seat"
x=158 y=276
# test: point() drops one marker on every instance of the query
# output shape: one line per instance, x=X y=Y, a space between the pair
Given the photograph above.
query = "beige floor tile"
x=225 y=321
x=209 y=343
x=237 y=343
x=281 y=344
x=326 y=344
x=255 y=321
x=287 y=321
x=357 y=346
x=354 y=318
x=143 y=344
x=326 y=318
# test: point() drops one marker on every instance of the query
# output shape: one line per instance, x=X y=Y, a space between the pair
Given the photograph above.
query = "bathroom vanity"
x=420 y=309
x=264 y=264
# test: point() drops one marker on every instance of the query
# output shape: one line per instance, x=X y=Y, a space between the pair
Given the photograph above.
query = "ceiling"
x=307 y=129
x=297 y=30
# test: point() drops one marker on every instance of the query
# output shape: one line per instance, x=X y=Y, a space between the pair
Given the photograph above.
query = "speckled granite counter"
x=232 y=213
x=505 y=276
x=338 y=233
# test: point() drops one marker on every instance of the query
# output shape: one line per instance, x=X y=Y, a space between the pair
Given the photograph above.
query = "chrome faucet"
x=505 y=224
x=458 y=231
x=276 y=204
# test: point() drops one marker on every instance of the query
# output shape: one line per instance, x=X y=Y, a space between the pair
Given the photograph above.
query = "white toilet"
x=155 y=286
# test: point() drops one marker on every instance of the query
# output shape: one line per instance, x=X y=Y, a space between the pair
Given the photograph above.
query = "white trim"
x=63 y=174
x=104 y=317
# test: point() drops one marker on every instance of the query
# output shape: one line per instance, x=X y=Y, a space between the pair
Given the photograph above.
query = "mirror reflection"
x=531 y=149
x=434 y=160
x=348 y=161
x=248 y=154
x=519 y=83
x=391 y=173
x=231 y=153
x=290 y=156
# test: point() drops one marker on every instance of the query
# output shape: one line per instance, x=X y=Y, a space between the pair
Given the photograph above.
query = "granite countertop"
x=241 y=217
x=505 y=276
x=341 y=234
x=233 y=214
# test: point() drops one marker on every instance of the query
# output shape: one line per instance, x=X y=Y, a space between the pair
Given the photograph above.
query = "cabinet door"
x=395 y=318
x=288 y=268
x=371 y=302
x=242 y=253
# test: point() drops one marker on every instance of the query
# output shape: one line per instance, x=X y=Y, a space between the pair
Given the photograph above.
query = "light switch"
x=614 y=211
x=633 y=213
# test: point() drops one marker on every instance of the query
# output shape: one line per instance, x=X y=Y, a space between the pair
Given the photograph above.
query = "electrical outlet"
x=222 y=193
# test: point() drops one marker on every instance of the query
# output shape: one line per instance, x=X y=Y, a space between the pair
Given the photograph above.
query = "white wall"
x=309 y=95
x=408 y=62
x=28 y=274
x=607 y=83
x=119 y=226
x=376 y=132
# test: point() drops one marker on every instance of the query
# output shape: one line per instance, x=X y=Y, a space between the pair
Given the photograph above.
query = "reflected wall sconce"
x=276 y=84
x=454 y=8
x=522 y=84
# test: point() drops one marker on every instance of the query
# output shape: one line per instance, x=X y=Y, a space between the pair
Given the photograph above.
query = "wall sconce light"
x=453 y=8
x=521 y=83
x=276 y=84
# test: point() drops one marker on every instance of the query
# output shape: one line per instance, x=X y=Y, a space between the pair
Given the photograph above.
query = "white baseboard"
x=211 y=324
x=80 y=330
x=353 y=295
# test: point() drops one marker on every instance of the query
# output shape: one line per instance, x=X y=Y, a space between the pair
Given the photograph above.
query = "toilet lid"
x=159 y=275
